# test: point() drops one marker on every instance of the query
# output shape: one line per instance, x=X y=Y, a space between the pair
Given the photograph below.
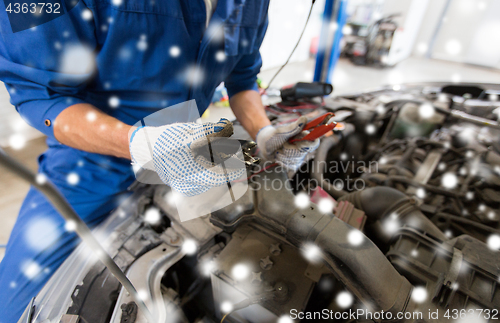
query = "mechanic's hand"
x=174 y=156
x=273 y=142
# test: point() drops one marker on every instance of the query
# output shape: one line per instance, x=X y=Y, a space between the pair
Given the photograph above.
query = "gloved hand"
x=170 y=152
x=273 y=142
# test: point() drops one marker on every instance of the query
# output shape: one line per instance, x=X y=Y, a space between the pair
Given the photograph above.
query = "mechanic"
x=140 y=51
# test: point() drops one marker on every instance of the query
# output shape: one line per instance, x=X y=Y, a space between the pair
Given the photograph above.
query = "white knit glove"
x=170 y=151
x=273 y=143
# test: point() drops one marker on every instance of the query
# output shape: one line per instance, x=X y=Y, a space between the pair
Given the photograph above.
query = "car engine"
x=394 y=218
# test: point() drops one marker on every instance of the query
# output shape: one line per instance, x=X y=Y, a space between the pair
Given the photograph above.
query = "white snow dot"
x=448 y=234
x=419 y=294
x=396 y=87
x=175 y=51
x=414 y=253
x=302 y=200
x=226 y=307
x=422 y=48
x=469 y=195
x=240 y=272
x=194 y=75
x=172 y=198
x=426 y=111
x=325 y=205
x=114 y=102
x=77 y=59
x=347 y=30
x=13 y=284
x=143 y=295
x=441 y=166
x=70 y=225
x=117 y=2
x=41 y=179
x=370 y=129
x=284 y=319
x=494 y=242
x=189 y=247
x=142 y=44
x=391 y=225
x=355 y=237
x=420 y=193
x=136 y=167
x=456 y=77
x=493 y=97
x=343 y=156
x=66 y=34
x=73 y=178
x=481 y=207
x=453 y=47
x=41 y=233
x=311 y=252
x=31 y=269
x=91 y=116
x=491 y=215
x=442 y=97
x=344 y=299
x=17 y=141
x=152 y=215
x=220 y=56
x=57 y=45
x=207 y=267
x=449 y=180
x=86 y=14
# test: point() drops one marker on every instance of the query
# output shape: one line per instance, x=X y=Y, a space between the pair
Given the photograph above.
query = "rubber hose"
x=319 y=164
x=379 y=202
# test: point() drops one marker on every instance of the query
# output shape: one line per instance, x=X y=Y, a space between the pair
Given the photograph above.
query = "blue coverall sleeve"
x=244 y=75
x=45 y=68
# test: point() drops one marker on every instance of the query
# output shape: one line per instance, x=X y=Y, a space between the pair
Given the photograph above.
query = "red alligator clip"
x=317 y=128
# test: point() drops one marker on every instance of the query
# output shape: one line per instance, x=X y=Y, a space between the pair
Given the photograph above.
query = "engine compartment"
x=395 y=214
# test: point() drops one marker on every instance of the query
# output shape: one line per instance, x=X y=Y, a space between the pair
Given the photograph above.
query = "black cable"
x=296 y=45
x=466 y=221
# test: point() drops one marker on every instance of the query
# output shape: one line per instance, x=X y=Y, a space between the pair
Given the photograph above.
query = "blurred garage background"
x=438 y=40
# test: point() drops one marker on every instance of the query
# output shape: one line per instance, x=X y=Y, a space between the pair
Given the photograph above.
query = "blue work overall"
x=137 y=53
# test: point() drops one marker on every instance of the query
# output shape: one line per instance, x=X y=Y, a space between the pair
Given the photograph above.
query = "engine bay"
x=394 y=218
